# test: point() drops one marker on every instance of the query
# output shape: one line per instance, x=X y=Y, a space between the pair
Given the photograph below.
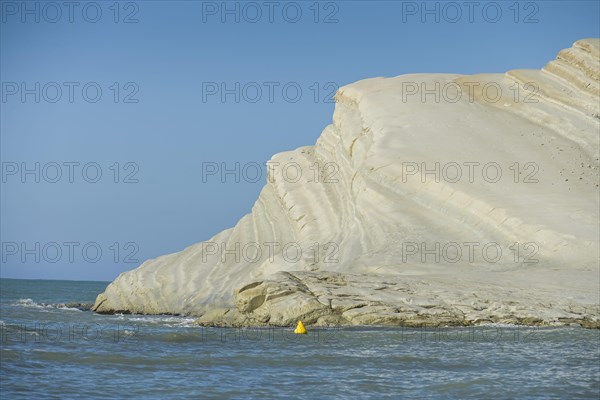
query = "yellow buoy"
x=300 y=329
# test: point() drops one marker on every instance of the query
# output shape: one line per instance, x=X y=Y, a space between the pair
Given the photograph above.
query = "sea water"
x=50 y=348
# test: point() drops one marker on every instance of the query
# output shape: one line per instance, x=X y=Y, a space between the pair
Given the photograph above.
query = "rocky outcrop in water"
x=431 y=199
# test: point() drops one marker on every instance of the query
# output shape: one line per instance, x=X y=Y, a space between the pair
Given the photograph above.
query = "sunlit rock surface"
x=432 y=199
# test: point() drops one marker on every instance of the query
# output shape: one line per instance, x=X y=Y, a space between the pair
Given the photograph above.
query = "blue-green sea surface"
x=51 y=349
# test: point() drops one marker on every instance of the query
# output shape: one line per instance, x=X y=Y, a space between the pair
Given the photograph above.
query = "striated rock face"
x=431 y=199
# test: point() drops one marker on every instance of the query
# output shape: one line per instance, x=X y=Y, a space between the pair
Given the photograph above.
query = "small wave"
x=61 y=306
x=65 y=307
x=161 y=320
x=27 y=303
x=167 y=320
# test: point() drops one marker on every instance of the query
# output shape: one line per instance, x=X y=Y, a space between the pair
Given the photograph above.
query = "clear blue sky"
x=167 y=61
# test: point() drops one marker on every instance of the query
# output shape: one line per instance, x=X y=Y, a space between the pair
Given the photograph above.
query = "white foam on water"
x=27 y=303
x=162 y=320
x=32 y=304
x=63 y=307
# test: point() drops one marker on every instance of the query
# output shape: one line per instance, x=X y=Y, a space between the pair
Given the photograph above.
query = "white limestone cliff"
x=365 y=222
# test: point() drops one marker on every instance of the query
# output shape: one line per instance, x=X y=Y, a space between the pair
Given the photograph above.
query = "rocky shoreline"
x=335 y=299
x=391 y=237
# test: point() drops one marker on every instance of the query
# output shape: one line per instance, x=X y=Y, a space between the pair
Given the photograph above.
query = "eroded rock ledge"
x=331 y=298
